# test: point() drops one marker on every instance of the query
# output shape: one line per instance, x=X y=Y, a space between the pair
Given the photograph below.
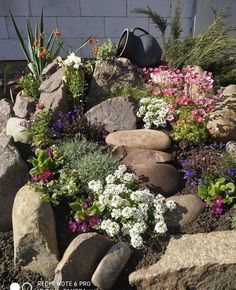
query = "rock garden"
x=119 y=175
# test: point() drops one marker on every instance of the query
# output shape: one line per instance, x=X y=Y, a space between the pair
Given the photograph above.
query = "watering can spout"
x=142 y=49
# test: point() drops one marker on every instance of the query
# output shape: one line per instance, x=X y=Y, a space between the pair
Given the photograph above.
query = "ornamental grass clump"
x=180 y=99
x=121 y=209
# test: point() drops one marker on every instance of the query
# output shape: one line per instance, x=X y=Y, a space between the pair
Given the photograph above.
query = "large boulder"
x=13 y=175
x=159 y=177
x=34 y=233
x=24 y=105
x=52 y=91
x=142 y=138
x=81 y=258
x=114 y=114
x=188 y=207
x=202 y=261
x=17 y=130
x=6 y=112
x=222 y=122
x=112 y=75
x=111 y=266
x=131 y=155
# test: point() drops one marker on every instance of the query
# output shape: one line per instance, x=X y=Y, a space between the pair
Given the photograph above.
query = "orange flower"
x=41 y=34
x=95 y=50
x=36 y=43
x=42 y=52
x=57 y=33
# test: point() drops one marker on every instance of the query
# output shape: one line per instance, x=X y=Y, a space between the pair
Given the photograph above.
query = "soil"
x=206 y=222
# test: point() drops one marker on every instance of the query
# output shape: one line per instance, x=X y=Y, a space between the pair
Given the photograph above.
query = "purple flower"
x=84 y=227
x=232 y=171
x=206 y=205
x=181 y=162
x=93 y=221
x=200 y=182
x=188 y=164
x=84 y=205
x=187 y=174
x=50 y=152
x=218 y=211
x=73 y=226
x=25 y=123
x=193 y=183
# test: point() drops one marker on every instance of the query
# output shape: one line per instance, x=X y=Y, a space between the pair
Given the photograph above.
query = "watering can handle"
x=138 y=28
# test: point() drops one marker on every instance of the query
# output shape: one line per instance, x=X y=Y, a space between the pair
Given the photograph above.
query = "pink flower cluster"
x=190 y=89
x=45 y=177
x=218 y=210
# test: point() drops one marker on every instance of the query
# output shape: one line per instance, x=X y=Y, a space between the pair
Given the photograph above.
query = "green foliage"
x=129 y=90
x=192 y=131
x=39 y=129
x=104 y=51
x=30 y=85
x=88 y=158
x=44 y=160
x=213 y=188
x=159 y=21
x=232 y=218
x=76 y=84
x=83 y=213
x=66 y=186
x=37 y=51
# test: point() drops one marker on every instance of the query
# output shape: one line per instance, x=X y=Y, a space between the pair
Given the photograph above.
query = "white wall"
x=77 y=19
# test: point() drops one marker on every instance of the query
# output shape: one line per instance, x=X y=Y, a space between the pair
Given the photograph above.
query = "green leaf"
x=22 y=43
x=76 y=206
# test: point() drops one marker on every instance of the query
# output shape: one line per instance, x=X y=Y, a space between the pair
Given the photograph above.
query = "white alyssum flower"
x=170 y=204
x=95 y=185
x=128 y=211
x=153 y=111
x=136 y=241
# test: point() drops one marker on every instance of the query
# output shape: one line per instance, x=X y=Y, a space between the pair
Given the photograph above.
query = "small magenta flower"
x=50 y=152
x=73 y=226
x=84 y=227
x=84 y=205
x=218 y=210
x=93 y=221
x=219 y=201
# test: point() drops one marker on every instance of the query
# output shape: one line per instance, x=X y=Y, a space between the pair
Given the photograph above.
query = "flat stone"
x=6 y=112
x=188 y=207
x=141 y=138
x=81 y=258
x=131 y=156
x=159 y=177
x=203 y=261
x=24 y=105
x=17 y=131
x=34 y=233
x=222 y=122
x=13 y=175
x=229 y=90
x=112 y=75
x=114 y=114
x=111 y=266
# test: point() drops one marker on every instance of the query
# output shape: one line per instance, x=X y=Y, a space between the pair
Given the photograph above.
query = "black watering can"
x=142 y=50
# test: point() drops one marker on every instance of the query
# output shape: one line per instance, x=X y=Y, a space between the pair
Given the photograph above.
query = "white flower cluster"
x=127 y=211
x=71 y=61
x=153 y=111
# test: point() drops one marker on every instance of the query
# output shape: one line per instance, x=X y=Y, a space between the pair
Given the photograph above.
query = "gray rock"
x=13 y=175
x=229 y=90
x=204 y=261
x=131 y=156
x=17 y=131
x=81 y=258
x=34 y=233
x=141 y=138
x=6 y=112
x=24 y=105
x=53 y=81
x=114 y=114
x=111 y=75
x=158 y=177
x=50 y=69
x=111 y=266
x=53 y=95
x=222 y=122
x=188 y=207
